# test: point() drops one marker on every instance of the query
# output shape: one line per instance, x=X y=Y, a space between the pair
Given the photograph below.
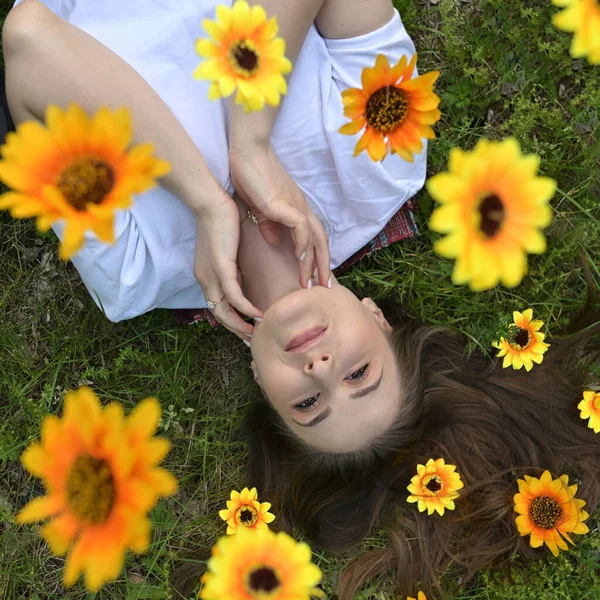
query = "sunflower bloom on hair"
x=525 y=344
x=549 y=512
x=492 y=209
x=260 y=565
x=582 y=18
x=77 y=169
x=395 y=110
x=589 y=408
x=101 y=473
x=243 y=53
x=435 y=486
x=244 y=510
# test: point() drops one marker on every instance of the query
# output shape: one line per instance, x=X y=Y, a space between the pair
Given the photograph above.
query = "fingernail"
x=257 y=319
x=303 y=256
x=247 y=343
x=309 y=284
x=329 y=283
x=248 y=335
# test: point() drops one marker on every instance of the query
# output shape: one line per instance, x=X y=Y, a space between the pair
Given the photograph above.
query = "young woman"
x=353 y=402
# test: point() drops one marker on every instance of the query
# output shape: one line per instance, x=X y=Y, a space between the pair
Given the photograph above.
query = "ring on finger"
x=212 y=305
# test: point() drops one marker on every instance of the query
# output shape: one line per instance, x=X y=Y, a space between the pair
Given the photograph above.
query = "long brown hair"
x=495 y=424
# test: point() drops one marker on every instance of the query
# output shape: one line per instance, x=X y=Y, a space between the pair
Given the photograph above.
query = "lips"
x=306 y=339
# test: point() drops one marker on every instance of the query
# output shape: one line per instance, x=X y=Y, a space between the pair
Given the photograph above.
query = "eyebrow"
x=360 y=394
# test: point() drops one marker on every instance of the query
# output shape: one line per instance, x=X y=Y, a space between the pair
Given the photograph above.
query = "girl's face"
x=325 y=363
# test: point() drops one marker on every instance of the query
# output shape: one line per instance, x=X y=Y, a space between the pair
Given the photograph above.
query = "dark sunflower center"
x=434 y=484
x=545 y=512
x=247 y=516
x=244 y=59
x=387 y=108
x=492 y=215
x=87 y=180
x=263 y=580
x=90 y=489
x=522 y=337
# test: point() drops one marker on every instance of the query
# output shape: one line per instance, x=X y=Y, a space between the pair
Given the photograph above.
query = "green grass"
x=505 y=71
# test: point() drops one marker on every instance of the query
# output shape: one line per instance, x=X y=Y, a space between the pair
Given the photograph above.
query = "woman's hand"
x=215 y=263
x=265 y=187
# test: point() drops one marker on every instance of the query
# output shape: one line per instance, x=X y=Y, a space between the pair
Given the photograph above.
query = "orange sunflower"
x=589 y=408
x=244 y=510
x=493 y=206
x=582 y=17
x=549 y=512
x=101 y=476
x=260 y=565
x=396 y=111
x=420 y=596
x=243 y=54
x=76 y=169
x=435 y=486
x=525 y=345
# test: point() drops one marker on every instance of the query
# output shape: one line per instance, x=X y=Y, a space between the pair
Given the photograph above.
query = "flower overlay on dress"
x=243 y=54
x=493 y=206
x=395 y=111
x=581 y=17
x=435 y=486
x=244 y=510
x=525 y=344
x=549 y=512
x=260 y=565
x=101 y=474
x=77 y=169
x=589 y=408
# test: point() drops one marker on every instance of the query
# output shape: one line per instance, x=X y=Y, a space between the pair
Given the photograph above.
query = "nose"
x=318 y=363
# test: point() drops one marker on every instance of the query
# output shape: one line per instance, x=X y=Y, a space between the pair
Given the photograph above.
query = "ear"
x=379 y=316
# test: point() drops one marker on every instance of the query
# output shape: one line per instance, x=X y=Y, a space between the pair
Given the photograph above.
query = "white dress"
x=151 y=263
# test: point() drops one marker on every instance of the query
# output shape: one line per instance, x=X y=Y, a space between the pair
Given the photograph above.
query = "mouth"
x=306 y=339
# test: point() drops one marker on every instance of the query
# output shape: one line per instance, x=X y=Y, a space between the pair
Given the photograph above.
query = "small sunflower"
x=420 y=596
x=101 y=476
x=549 y=511
x=525 y=344
x=244 y=53
x=590 y=409
x=493 y=206
x=581 y=17
x=396 y=111
x=260 y=565
x=244 y=510
x=435 y=486
x=76 y=169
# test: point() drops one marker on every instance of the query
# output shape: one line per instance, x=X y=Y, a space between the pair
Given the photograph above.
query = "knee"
x=24 y=25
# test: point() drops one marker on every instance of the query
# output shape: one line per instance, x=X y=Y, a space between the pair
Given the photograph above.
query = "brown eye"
x=308 y=404
x=360 y=374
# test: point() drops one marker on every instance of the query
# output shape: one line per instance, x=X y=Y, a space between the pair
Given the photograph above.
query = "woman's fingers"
x=322 y=256
x=228 y=277
x=232 y=321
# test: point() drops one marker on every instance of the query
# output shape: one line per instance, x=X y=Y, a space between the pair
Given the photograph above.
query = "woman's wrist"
x=250 y=129
x=203 y=196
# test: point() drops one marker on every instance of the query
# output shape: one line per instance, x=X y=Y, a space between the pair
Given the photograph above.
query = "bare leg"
x=48 y=62
x=350 y=18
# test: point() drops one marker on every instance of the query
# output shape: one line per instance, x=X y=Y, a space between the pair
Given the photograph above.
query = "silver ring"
x=212 y=305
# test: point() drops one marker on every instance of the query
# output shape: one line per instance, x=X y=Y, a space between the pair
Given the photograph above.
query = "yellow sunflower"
x=420 y=596
x=435 y=486
x=76 y=169
x=525 y=345
x=260 y=565
x=396 y=111
x=590 y=409
x=101 y=476
x=549 y=511
x=244 y=510
x=581 y=17
x=244 y=53
x=493 y=206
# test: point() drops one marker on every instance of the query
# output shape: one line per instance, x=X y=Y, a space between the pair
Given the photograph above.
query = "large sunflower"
x=493 y=206
x=589 y=408
x=244 y=510
x=549 y=511
x=101 y=476
x=435 y=486
x=77 y=169
x=525 y=344
x=581 y=17
x=260 y=565
x=244 y=53
x=396 y=111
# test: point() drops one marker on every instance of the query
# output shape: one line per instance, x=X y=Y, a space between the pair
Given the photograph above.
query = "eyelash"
x=357 y=377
